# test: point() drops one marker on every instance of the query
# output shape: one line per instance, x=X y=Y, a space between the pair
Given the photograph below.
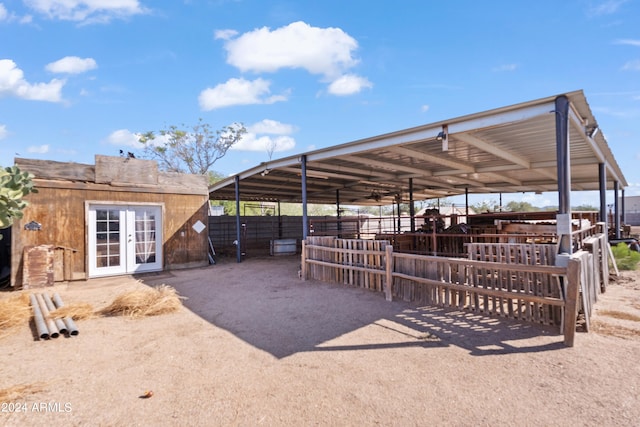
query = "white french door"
x=124 y=239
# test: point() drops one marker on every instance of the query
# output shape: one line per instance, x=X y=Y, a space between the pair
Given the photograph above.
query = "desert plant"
x=14 y=185
x=626 y=259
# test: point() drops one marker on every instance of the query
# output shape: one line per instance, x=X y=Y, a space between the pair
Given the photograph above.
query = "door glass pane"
x=107 y=238
x=145 y=235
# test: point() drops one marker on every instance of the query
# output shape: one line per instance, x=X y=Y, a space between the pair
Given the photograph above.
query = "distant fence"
x=257 y=232
x=517 y=281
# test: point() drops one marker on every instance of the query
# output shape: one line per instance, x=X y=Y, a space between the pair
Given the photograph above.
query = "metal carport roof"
x=504 y=150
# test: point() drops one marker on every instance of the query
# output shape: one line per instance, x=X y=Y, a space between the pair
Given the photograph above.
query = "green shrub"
x=626 y=259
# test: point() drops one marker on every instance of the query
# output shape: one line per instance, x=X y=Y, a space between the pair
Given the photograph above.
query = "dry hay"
x=19 y=392
x=77 y=311
x=144 y=302
x=14 y=311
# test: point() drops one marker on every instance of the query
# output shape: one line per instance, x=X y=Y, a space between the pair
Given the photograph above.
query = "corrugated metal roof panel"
x=509 y=149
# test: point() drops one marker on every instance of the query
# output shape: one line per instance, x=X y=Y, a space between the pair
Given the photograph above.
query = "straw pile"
x=14 y=311
x=144 y=302
x=77 y=311
x=19 y=392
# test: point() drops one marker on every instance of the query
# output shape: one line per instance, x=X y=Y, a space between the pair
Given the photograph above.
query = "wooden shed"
x=119 y=216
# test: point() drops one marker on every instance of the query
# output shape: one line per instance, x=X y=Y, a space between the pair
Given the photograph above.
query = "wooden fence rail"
x=527 y=291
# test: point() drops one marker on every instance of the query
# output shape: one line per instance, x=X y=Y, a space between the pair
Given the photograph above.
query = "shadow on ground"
x=263 y=302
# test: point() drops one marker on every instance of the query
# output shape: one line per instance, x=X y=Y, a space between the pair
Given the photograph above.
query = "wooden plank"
x=389 y=273
x=572 y=291
x=303 y=261
x=47 y=169
x=183 y=180
x=354 y=267
x=125 y=170
x=529 y=228
x=120 y=187
x=435 y=283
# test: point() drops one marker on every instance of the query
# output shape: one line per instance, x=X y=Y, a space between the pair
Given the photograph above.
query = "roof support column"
x=412 y=209
x=623 y=215
x=564 y=174
x=238 y=233
x=466 y=204
x=303 y=173
x=616 y=208
x=279 y=222
x=602 y=177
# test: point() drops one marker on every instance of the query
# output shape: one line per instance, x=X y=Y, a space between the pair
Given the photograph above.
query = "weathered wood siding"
x=60 y=207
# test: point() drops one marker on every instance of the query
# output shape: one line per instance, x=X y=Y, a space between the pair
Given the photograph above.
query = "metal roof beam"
x=492 y=149
x=509 y=115
x=578 y=124
x=385 y=165
x=432 y=158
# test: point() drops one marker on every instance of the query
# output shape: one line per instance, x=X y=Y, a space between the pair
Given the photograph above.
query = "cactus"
x=14 y=185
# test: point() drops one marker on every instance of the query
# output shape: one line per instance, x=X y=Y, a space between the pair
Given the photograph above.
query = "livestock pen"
x=520 y=281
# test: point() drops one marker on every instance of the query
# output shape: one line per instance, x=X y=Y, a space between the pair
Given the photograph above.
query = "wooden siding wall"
x=61 y=212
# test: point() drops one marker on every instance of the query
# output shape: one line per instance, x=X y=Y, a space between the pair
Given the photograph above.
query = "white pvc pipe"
x=71 y=325
x=51 y=326
x=59 y=323
x=38 y=319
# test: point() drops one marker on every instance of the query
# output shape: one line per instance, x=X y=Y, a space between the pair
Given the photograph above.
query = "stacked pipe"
x=43 y=305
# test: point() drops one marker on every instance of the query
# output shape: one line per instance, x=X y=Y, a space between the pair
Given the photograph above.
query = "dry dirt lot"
x=255 y=345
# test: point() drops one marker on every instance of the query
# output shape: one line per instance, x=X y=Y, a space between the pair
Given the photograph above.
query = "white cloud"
x=348 y=85
x=224 y=34
x=124 y=138
x=7 y=16
x=253 y=142
x=629 y=42
x=324 y=51
x=72 y=65
x=38 y=149
x=632 y=65
x=86 y=11
x=607 y=7
x=12 y=83
x=424 y=108
x=3 y=131
x=259 y=137
x=238 y=92
x=272 y=127
x=505 y=67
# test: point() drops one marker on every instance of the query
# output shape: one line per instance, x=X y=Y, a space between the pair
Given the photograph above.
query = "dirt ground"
x=255 y=345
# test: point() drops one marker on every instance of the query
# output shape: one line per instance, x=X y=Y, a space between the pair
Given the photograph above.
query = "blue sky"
x=83 y=77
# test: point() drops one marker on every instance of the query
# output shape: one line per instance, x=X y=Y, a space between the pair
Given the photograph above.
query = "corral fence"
x=511 y=280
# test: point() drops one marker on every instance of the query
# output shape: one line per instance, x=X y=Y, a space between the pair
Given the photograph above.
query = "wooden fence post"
x=303 y=261
x=571 y=294
x=388 y=283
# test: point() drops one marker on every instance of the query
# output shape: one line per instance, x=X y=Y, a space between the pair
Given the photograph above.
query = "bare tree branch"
x=195 y=151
